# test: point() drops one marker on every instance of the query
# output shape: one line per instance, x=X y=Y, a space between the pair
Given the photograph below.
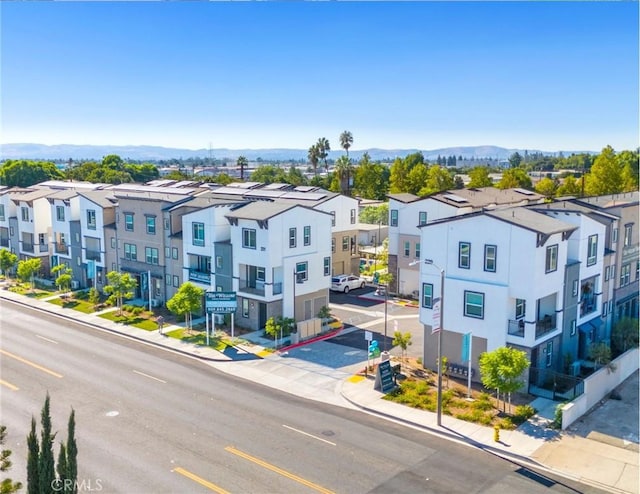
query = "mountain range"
x=155 y=153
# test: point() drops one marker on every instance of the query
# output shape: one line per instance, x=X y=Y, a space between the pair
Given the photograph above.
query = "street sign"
x=466 y=345
x=220 y=302
x=91 y=269
x=384 y=377
x=368 y=335
x=435 y=327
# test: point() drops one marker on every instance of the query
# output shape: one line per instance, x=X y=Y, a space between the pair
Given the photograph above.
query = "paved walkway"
x=327 y=372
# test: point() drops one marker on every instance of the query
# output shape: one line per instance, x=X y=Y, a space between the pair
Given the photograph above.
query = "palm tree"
x=314 y=157
x=343 y=170
x=346 y=139
x=242 y=163
x=323 y=151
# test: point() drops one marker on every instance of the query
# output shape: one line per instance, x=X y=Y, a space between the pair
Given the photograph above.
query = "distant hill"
x=86 y=152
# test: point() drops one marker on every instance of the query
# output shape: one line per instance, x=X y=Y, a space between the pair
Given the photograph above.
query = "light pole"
x=440 y=330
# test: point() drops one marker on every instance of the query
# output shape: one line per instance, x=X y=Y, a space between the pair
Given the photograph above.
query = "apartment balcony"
x=26 y=247
x=546 y=325
x=277 y=288
x=252 y=287
x=93 y=255
x=60 y=248
x=516 y=328
x=199 y=276
x=4 y=242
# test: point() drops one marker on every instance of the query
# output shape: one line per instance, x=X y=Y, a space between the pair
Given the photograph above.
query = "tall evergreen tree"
x=33 y=463
x=61 y=467
x=72 y=450
x=46 y=462
x=7 y=486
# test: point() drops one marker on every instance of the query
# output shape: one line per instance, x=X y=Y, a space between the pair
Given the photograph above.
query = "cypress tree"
x=46 y=464
x=61 y=467
x=33 y=477
x=72 y=451
x=7 y=485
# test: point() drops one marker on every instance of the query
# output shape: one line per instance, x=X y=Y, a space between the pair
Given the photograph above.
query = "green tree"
x=547 y=187
x=282 y=326
x=630 y=163
x=346 y=140
x=371 y=180
x=600 y=353
x=7 y=485
x=323 y=151
x=514 y=177
x=268 y=174
x=438 y=179
x=314 y=158
x=416 y=179
x=502 y=370
x=67 y=466
x=403 y=341
x=142 y=173
x=343 y=170
x=63 y=279
x=373 y=215
x=94 y=297
x=8 y=261
x=400 y=170
x=33 y=460
x=479 y=178
x=605 y=176
x=515 y=159
x=569 y=187
x=625 y=335
x=46 y=462
x=23 y=173
x=186 y=301
x=28 y=268
x=242 y=163
x=121 y=287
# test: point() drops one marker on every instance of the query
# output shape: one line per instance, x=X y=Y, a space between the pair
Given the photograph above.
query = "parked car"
x=344 y=283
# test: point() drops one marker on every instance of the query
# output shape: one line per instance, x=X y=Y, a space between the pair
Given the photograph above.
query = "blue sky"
x=539 y=75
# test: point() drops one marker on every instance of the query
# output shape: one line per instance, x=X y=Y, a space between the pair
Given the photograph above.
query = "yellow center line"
x=9 y=385
x=275 y=469
x=28 y=362
x=200 y=480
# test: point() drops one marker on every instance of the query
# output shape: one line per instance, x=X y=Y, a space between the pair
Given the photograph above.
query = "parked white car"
x=345 y=282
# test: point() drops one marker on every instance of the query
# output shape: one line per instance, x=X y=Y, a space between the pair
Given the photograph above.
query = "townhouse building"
x=9 y=234
x=522 y=277
x=408 y=212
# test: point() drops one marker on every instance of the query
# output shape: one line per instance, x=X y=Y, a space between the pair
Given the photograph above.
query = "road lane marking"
x=200 y=480
x=310 y=435
x=46 y=339
x=9 y=385
x=34 y=365
x=280 y=471
x=150 y=377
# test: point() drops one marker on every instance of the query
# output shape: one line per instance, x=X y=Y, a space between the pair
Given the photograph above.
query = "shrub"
x=136 y=311
x=523 y=413
x=127 y=308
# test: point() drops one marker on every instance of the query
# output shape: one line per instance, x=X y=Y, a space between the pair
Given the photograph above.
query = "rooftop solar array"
x=454 y=198
x=309 y=196
x=524 y=191
x=305 y=188
x=276 y=186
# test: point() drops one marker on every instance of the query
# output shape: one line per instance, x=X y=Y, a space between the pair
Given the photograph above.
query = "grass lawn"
x=198 y=338
x=79 y=305
x=25 y=289
x=139 y=321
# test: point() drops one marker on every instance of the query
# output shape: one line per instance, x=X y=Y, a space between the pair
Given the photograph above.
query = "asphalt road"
x=149 y=421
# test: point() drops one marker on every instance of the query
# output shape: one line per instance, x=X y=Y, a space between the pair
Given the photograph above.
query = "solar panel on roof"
x=265 y=193
x=305 y=188
x=276 y=186
x=524 y=191
x=302 y=195
x=454 y=198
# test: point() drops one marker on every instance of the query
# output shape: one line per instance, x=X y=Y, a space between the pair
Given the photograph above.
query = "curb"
x=311 y=340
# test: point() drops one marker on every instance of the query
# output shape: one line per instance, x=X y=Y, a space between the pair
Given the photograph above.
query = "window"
x=345 y=243
x=610 y=306
x=427 y=295
x=627 y=235
x=573 y=327
x=167 y=252
x=218 y=262
x=301 y=271
x=333 y=218
x=637 y=270
x=77 y=237
x=307 y=235
x=353 y=217
x=248 y=238
x=394 y=217
x=625 y=275
x=63 y=239
x=2 y=217
x=113 y=242
x=549 y=352
x=60 y=213
x=604 y=308
x=606 y=273
x=422 y=218
x=167 y=279
x=166 y=223
x=11 y=232
x=592 y=250
x=151 y=255
x=333 y=245
x=614 y=235
x=474 y=304
x=464 y=255
x=25 y=213
x=128 y=222
x=245 y=307
x=613 y=272
x=151 y=224
x=417 y=250
x=174 y=252
x=327 y=266
x=91 y=219
x=551 y=261
x=176 y=281
x=407 y=249
x=521 y=307
x=574 y=288
x=490 y=252
x=198 y=234
x=130 y=252
x=292 y=237
x=78 y=261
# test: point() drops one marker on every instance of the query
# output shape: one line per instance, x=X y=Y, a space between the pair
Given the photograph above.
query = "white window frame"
x=422 y=218
x=326 y=266
x=464 y=260
x=197 y=233
x=249 y=240
x=427 y=295
x=551 y=259
x=490 y=257
x=59 y=213
x=393 y=217
x=306 y=235
x=468 y=304
x=592 y=250
x=293 y=240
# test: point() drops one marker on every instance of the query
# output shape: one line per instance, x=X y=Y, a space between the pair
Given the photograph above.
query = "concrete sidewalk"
x=606 y=466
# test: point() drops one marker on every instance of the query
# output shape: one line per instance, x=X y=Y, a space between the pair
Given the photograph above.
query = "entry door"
x=262 y=315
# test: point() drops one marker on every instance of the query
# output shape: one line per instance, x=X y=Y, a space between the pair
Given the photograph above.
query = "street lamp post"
x=440 y=330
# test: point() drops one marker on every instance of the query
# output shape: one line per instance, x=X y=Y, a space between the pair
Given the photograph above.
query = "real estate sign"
x=220 y=302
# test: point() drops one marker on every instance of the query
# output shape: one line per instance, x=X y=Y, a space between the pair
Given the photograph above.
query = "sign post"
x=435 y=327
x=467 y=340
x=219 y=303
x=368 y=336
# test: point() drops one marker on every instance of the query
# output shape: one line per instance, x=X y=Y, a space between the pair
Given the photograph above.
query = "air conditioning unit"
x=75 y=284
x=156 y=302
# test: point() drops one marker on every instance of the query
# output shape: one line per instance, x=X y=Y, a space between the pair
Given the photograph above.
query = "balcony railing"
x=26 y=247
x=516 y=328
x=255 y=288
x=277 y=288
x=545 y=325
x=93 y=255
x=61 y=248
x=43 y=248
x=199 y=276
x=4 y=242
